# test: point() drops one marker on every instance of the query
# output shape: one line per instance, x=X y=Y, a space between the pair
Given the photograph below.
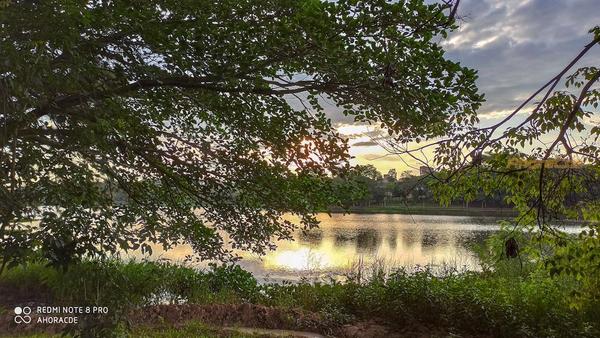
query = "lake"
x=343 y=241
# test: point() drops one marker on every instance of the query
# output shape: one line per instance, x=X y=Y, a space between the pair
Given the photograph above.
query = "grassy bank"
x=429 y=210
x=191 y=329
x=502 y=304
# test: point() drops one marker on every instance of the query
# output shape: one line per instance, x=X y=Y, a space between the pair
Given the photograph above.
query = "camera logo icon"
x=22 y=315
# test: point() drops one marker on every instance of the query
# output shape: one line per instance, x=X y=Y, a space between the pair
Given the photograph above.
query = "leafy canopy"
x=546 y=162
x=200 y=122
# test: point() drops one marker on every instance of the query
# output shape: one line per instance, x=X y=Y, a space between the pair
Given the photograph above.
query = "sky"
x=516 y=46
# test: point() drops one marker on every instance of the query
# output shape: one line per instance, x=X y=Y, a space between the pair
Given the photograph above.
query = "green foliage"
x=178 y=121
x=122 y=286
x=366 y=187
x=548 y=168
x=503 y=303
x=567 y=195
x=503 y=306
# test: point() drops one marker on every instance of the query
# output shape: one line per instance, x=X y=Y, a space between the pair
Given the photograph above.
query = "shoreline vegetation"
x=428 y=210
x=159 y=299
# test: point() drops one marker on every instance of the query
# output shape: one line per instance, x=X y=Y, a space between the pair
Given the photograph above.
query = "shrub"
x=500 y=303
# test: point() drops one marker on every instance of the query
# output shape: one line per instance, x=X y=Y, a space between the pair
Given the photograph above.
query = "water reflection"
x=395 y=240
x=367 y=241
x=312 y=237
x=391 y=239
x=341 y=240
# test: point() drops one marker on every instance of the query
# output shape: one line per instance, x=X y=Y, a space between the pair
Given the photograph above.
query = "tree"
x=546 y=181
x=367 y=171
x=391 y=175
x=205 y=114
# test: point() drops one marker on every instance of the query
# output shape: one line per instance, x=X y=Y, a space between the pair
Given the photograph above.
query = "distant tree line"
x=408 y=188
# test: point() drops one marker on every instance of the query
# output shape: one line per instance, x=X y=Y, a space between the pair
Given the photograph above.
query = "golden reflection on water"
x=391 y=240
x=338 y=249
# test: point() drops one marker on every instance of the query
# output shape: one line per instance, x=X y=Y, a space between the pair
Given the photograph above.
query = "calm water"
x=343 y=240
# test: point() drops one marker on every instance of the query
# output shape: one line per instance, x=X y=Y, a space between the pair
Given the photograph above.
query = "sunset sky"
x=516 y=46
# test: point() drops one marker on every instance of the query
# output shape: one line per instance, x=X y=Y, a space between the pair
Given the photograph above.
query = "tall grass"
x=501 y=303
x=133 y=283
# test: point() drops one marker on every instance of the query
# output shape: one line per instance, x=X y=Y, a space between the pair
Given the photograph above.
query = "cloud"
x=381 y=157
x=365 y=144
x=355 y=130
x=517 y=46
x=592 y=121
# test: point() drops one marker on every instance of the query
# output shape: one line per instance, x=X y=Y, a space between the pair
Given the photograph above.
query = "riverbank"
x=162 y=300
x=429 y=210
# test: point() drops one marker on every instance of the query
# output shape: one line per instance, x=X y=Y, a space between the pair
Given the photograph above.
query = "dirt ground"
x=250 y=316
x=258 y=316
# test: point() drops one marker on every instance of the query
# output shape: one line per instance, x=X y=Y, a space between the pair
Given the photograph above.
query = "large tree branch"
x=571 y=117
x=208 y=83
x=547 y=88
